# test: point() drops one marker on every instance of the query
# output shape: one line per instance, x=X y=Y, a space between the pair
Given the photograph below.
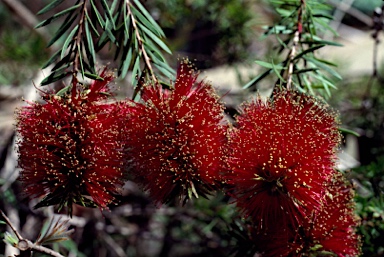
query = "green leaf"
x=54 y=77
x=284 y=12
x=349 y=131
x=269 y=65
x=298 y=71
x=136 y=70
x=307 y=83
x=325 y=82
x=2 y=222
x=165 y=69
x=54 y=230
x=323 y=42
x=92 y=76
x=125 y=64
x=325 y=62
x=52 y=59
x=10 y=239
x=58 y=15
x=63 y=28
x=103 y=39
x=155 y=57
x=98 y=15
x=108 y=12
x=325 y=25
x=50 y=6
x=320 y=63
x=92 y=26
x=68 y=41
x=141 y=19
x=257 y=79
x=126 y=21
x=149 y=18
x=64 y=90
x=81 y=60
x=90 y=47
x=309 y=50
x=157 y=40
x=110 y=35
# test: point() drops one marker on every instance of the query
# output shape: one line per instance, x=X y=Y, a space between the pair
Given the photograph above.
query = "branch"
x=11 y=225
x=78 y=39
x=296 y=39
x=147 y=60
x=25 y=244
x=292 y=55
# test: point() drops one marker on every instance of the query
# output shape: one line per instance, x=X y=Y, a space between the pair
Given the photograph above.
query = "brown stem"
x=78 y=39
x=147 y=60
x=295 y=43
x=11 y=225
x=26 y=245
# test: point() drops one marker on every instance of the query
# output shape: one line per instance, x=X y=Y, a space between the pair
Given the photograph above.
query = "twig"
x=295 y=43
x=77 y=44
x=25 y=244
x=11 y=226
x=291 y=58
x=147 y=60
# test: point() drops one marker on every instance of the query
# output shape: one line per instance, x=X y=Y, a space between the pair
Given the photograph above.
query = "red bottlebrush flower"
x=333 y=228
x=331 y=231
x=177 y=138
x=70 y=147
x=280 y=154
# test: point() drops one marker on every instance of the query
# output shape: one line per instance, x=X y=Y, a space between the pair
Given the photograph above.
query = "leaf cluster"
x=89 y=26
x=299 y=28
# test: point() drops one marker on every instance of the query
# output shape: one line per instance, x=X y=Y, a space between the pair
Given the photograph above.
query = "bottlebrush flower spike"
x=70 y=147
x=328 y=232
x=280 y=154
x=333 y=228
x=176 y=138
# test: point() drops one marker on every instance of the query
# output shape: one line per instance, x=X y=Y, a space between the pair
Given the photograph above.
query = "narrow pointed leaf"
x=125 y=64
x=68 y=41
x=50 y=6
x=323 y=66
x=144 y=21
x=98 y=15
x=92 y=76
x=136 y=69
x=166 y=70
x=126 y=21
x=269 y=65
x=53 y=77
x=157 y=40
x=107 y=12
x=309 y=50
x=64 y=90
x=110 y=35
x=90 y=47
x=63 y=28
x=149 y=17
x=92 y=26
x=257 y=79
x=52 y=59
x=81 y=60
x=349 y=131
x=58 y=15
